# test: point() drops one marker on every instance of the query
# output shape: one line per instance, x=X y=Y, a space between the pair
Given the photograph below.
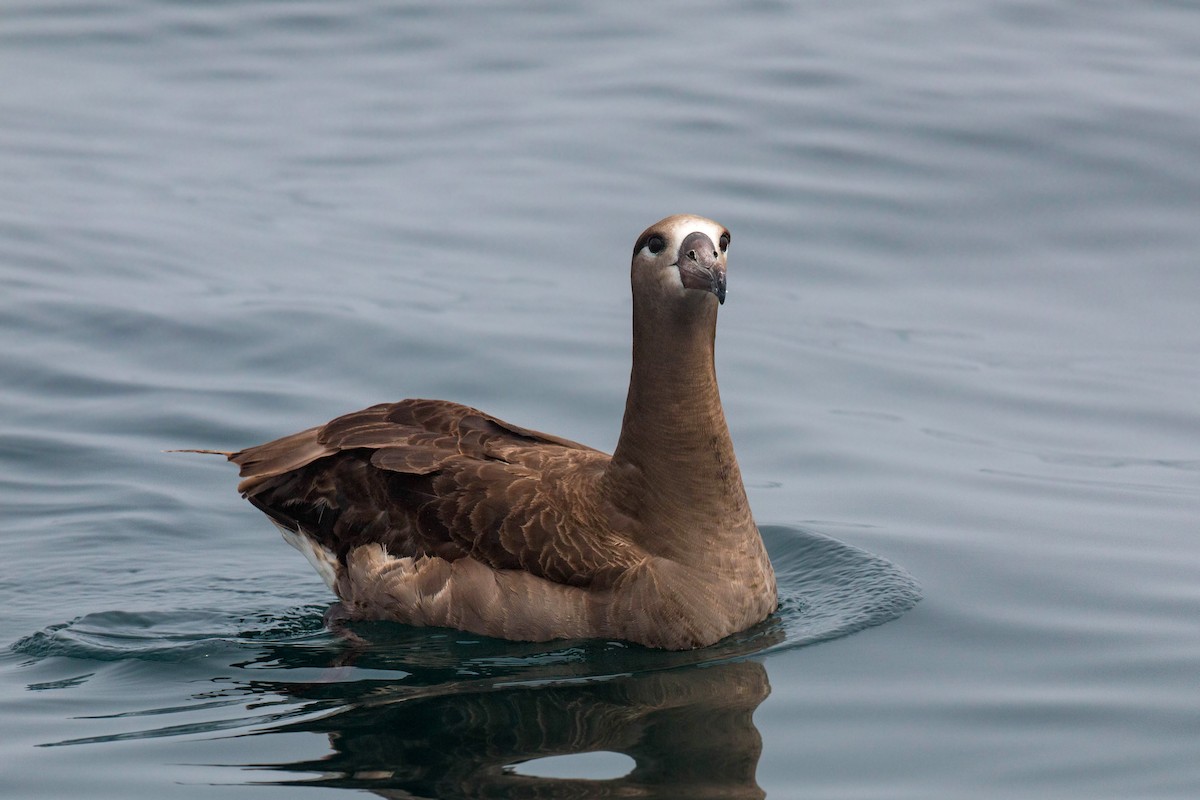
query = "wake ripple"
x=827 y=589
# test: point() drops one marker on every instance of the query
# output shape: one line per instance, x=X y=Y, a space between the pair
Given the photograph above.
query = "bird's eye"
x=656 y=243
x=724 y=242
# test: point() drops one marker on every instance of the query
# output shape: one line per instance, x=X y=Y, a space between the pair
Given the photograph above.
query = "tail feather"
x=226 y=453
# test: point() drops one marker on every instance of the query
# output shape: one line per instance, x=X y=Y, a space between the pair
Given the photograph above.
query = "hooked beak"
x=701 y=265
x=718 y=285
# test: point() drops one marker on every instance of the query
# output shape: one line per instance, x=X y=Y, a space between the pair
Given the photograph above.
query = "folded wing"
x=433 y=478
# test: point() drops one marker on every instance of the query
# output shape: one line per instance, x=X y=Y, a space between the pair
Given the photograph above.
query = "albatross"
x=432 y=513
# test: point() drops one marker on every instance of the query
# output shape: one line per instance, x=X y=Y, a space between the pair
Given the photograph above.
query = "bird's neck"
x=674 y=468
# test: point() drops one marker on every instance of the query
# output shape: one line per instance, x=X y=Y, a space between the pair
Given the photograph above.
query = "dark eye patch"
x=656 y=243
x=724 y=242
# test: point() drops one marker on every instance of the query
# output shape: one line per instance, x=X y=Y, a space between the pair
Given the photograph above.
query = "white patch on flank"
x=323 y=561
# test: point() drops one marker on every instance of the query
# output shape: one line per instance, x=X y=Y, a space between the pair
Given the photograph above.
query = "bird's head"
x=680 y=260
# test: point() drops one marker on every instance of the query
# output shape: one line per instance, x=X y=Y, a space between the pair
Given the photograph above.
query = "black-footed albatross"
x=432 y=513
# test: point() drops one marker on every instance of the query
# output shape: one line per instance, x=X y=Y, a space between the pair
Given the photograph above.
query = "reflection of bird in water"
x=689 y=731
x=432 y=513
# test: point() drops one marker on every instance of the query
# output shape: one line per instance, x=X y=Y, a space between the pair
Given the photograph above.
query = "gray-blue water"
x=961 y=350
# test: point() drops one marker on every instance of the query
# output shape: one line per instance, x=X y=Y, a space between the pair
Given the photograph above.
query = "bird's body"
x=432 y=513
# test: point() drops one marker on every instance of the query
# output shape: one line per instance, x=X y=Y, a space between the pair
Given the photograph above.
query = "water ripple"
x=827 y=589
x=432 y=712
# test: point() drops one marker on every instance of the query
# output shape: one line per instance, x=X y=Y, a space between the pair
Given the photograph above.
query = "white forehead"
x=680 y=225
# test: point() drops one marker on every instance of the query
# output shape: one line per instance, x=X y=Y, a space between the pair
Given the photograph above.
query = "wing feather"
x=428 y=477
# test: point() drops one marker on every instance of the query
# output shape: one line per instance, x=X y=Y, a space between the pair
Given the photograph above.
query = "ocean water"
x=960 y=358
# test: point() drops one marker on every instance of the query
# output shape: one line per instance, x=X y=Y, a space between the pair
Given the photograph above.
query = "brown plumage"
x=432 y=513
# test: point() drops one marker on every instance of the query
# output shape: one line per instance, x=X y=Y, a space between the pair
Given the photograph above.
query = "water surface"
x=959 y=350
